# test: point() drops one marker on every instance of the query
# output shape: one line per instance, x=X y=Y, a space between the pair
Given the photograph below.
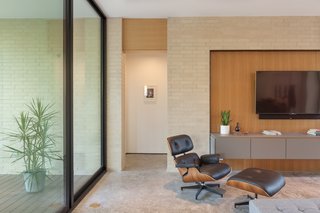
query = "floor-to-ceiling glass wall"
x=87 y=92
x=31 y=106
x=51 y=111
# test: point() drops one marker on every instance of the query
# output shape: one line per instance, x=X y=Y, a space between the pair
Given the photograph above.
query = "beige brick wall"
x=189 y=43
x=86 y=95
x=31 y=66
x=115 y=85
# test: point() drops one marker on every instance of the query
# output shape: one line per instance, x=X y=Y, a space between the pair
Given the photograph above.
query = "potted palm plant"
x=225 y=123
x=36 y=143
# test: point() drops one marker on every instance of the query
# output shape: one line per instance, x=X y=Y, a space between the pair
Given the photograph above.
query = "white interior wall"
x=145 y=120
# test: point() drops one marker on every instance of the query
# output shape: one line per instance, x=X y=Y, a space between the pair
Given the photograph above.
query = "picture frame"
x=149 y=93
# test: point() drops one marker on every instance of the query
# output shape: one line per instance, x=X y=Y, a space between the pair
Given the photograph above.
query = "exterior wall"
x=31 y=62
x=115 y=95
x=31 y=66
x=189 y=43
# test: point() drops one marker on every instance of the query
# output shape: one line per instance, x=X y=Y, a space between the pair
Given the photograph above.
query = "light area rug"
x=159 y=191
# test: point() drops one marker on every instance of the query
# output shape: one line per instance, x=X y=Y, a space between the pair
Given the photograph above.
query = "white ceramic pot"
x=34 y=182
x=224 y=130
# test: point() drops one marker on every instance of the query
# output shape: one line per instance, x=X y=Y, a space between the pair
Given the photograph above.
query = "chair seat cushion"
x=217 y=171
x=259 y=181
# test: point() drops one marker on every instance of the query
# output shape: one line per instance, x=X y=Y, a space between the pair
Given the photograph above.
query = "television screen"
x=288 y=92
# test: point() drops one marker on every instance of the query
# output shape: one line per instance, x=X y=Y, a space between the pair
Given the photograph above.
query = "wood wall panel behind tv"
x=233 y=86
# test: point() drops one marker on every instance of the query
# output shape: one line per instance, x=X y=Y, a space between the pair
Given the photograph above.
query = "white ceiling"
x=195 y=8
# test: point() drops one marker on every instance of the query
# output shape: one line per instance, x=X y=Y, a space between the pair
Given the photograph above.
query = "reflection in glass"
x=87 y=92
x=31 y=97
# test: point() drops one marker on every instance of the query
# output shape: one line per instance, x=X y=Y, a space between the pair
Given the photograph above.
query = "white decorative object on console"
x=271 y=132
x=314 y=132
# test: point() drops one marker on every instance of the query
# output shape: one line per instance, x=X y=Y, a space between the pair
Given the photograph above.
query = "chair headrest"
x=180 y=144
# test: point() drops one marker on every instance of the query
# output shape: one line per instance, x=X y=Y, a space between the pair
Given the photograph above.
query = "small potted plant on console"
x=225 y=123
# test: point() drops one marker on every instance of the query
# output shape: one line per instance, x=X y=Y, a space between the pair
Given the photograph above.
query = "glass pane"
x=31 y=106
x=87 y=92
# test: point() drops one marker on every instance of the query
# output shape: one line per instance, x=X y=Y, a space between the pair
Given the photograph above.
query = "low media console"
x=258 y=146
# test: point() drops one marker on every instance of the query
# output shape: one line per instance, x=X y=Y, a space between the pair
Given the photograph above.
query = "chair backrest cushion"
x=180 y=144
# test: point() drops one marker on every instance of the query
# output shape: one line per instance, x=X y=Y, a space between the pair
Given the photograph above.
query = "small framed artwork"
x=149 y=93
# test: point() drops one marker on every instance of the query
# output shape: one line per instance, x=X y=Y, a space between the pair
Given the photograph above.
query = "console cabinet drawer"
x=303 y=148
x=267 y=148
x=233 y=148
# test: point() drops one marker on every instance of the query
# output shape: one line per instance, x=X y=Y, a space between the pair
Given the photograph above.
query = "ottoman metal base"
x=244 y=203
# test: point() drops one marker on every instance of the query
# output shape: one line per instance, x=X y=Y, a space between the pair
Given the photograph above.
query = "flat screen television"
x=288 y=94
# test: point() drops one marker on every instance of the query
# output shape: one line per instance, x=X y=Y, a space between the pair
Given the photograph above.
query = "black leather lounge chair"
x=194 y=169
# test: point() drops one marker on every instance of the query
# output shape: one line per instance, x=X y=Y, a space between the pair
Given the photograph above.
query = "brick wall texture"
x=189 y=43
x=86 y=95
x=31 y=66
x=115 y=95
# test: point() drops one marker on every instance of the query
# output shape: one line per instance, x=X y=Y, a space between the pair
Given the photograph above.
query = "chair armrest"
x=187 y=165
x=210 y=159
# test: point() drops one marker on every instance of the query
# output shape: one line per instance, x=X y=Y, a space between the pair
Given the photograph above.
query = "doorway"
x=145 y=102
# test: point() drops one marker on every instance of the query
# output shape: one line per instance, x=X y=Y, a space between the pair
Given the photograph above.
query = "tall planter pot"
x=224 y=129
x=34 y=181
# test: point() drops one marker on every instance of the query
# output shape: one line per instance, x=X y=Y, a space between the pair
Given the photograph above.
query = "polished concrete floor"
x=145 y=186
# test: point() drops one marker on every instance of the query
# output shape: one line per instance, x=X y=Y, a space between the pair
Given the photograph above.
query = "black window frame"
x=72 y=199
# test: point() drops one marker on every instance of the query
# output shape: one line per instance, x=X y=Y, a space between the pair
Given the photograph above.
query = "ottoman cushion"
x=259 y=181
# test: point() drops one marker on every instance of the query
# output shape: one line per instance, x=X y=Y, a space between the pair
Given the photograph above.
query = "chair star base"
x=211 y=187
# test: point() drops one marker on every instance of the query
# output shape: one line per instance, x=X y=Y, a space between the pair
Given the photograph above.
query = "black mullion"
x=103 y=84
x=97 y=9
x=68 y=102
x=103 y=95
x=78 y=196
x=83 y=191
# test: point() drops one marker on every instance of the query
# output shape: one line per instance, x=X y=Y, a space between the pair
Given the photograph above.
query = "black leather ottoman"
x=259 y=181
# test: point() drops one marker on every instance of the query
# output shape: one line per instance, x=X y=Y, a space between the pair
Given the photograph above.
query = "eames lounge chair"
x=195 y=169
